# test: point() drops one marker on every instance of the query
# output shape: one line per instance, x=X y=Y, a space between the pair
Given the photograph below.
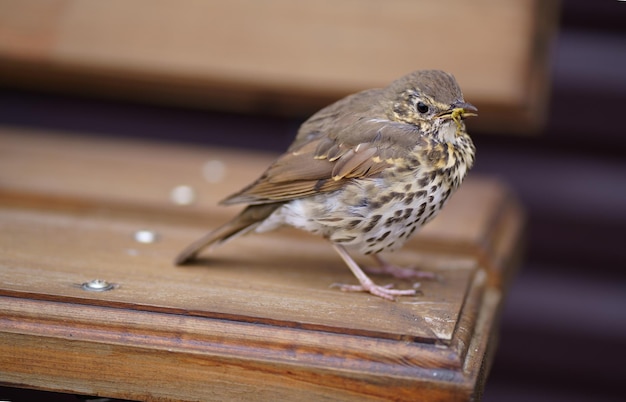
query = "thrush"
x=364 y=172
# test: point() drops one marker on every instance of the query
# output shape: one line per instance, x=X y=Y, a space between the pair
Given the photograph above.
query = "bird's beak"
x=460 y=110
x=464 y=109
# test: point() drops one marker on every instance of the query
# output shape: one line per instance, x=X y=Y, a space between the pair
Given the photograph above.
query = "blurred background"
x=549 y=79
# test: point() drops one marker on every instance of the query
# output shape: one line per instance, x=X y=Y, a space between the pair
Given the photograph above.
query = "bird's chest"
x=372 y=215
x=399 y=207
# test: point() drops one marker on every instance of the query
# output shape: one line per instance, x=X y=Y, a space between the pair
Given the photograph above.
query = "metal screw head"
x=97 y=285
x=183 y=195
x=145 y=236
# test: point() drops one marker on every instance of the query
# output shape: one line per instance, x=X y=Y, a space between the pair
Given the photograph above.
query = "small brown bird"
x=364 y=172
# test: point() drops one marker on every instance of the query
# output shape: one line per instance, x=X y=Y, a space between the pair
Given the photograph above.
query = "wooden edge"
x=234 y=334
x=484 y=343
x=352 y=364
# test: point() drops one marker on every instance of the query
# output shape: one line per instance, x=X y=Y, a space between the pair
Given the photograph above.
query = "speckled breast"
x=372 y=215
x=387 y=215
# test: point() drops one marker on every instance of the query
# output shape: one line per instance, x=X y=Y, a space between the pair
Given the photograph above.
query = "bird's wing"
x=320 y=165
x=349 y=139
x=335 y=119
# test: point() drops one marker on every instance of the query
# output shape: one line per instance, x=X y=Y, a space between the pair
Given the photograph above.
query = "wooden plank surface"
x=283 y=272
x=37 y=169
x=282 y=55
x=257 y=315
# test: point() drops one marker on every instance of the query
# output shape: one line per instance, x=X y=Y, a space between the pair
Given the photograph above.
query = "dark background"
x=563 y=331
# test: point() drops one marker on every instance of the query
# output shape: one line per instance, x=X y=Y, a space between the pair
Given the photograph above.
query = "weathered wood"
x=282 y=55
x=256 y=316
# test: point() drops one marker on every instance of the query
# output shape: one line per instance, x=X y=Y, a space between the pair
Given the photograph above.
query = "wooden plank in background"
x=281 y=55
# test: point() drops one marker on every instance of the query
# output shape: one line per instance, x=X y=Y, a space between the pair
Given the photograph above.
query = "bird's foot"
x=366 y=284
x=386 y=291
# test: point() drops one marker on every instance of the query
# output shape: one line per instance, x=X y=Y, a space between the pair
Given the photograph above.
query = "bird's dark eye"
x=422 y=107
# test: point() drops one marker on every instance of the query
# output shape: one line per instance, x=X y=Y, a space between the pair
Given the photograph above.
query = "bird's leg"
x=366 y=284
x=384 y=267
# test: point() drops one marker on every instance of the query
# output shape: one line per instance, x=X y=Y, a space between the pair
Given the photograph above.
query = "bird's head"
x=432 y=101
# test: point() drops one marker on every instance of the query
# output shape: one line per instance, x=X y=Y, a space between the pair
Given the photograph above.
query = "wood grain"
x=256 y=317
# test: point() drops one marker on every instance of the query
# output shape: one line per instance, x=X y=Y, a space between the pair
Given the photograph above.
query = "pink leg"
x=385 y=267
x=366 y=284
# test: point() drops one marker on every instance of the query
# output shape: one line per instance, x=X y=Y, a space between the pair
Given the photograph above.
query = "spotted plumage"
x=364 y=172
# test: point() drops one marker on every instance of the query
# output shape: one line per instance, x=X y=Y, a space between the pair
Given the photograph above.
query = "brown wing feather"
x=304 y=172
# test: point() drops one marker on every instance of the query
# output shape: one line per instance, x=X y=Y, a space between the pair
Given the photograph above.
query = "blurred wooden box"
x=255 y=321
x=282 y=56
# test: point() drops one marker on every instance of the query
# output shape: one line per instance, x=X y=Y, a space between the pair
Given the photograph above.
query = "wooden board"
x=280 y=55
x=256 y=317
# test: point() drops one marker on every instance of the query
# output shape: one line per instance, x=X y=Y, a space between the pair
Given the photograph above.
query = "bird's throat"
x=448 y=131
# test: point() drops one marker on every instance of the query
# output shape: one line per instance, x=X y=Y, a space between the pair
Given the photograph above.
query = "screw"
x=183 y=195
x=145 y=236
x=97 y=285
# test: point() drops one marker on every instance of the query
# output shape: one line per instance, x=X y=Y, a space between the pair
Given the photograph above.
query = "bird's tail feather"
x=247 y=220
